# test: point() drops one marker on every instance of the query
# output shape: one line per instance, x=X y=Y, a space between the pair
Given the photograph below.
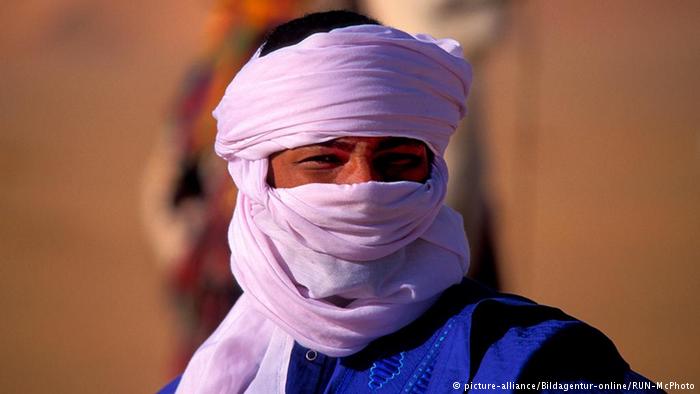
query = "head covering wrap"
x=364 y=80
x=386 y=250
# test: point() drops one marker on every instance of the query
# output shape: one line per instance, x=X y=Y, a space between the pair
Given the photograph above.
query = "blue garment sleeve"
x=171 y=387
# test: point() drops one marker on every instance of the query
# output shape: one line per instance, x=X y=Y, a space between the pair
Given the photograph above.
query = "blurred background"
x=578 y=172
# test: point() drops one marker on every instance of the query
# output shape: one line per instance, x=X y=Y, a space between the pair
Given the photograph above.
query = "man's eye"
x=400 y=159
x=321 y=159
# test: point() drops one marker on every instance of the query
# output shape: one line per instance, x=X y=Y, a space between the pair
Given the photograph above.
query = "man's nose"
x=359 y=170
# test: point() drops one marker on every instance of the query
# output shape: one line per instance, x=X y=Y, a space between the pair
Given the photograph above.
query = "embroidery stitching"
x=420 y=380
x=383 y=371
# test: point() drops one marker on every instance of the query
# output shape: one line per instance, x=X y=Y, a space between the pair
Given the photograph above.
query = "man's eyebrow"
x=400 y=141
x=339 y=144
x=388 y=143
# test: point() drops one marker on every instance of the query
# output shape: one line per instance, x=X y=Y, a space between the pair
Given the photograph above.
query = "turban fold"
x=365 y=80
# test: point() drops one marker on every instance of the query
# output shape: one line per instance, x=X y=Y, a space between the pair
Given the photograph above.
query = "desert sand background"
x=592 y=160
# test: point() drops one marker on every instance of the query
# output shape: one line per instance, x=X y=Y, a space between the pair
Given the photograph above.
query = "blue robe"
x=475 y=339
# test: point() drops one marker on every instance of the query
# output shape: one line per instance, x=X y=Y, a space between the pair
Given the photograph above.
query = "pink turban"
x=363 y=80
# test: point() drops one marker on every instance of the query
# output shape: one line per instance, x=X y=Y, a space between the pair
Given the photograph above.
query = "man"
x=352 y=268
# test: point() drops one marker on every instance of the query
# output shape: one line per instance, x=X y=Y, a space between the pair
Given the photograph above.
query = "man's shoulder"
x=490 y=337
x=510 y=321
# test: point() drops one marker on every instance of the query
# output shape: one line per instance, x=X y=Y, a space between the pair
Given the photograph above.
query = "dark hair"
x=297 y=30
